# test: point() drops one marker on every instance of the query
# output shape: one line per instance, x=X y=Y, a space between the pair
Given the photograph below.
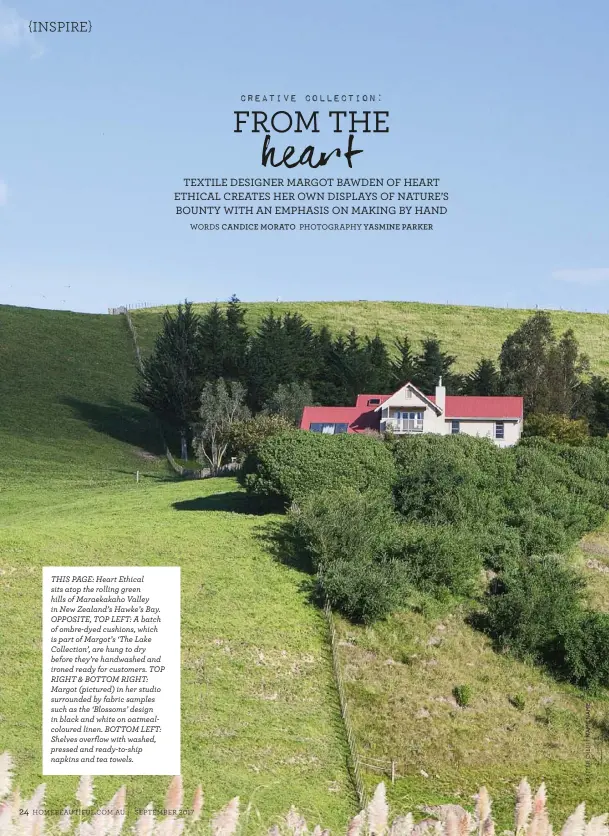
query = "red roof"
x=362 y=416
x=363 y=401
x=478 y=406
x=358 y=419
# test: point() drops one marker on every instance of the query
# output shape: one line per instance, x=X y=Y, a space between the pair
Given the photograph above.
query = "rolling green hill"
x=66 y=410
x=466 y=331
x=260 y=716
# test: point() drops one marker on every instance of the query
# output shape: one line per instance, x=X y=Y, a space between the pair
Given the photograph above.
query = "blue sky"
x=504 y=102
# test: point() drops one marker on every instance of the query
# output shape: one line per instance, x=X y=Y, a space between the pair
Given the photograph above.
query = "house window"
x=499 y=429
x=409 y=393
x=454 y=427
x=411 y=422
x=328 y=429
x=374 y=401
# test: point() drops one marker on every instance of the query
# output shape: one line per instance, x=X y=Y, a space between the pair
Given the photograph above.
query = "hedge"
x=293 y=464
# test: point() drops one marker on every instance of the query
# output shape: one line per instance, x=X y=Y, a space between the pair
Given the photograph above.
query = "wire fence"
x=136 y=345
x=344 y=710
x=131 y=307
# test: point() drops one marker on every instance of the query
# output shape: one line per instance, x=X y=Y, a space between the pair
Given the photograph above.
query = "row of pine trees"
x=287 y=355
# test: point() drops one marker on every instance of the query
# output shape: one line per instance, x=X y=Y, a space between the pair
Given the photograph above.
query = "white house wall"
x=486 y=429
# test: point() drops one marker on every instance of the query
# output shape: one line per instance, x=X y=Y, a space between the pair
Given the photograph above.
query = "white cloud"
x=3 y=193
x=582 y=275
x=15 y=32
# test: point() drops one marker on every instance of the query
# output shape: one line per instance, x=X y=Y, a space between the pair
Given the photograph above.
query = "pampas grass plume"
x=402 y=826
x=6 y=774
x=576 y=823
x=224 y=823
x=524 y=805
x=356 y=824
x=530 y=816
x=488 y=827
x=118 y=811
x=483 y=806
x=197 y=804
x=175 y=794
x=145 y=824
x=451 y=825
x=178 y=827
x=378 y=811
x=84 y=793
x=65 y=820
x=597 y=826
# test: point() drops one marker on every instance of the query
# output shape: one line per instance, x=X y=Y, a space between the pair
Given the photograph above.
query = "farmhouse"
x=409 y=411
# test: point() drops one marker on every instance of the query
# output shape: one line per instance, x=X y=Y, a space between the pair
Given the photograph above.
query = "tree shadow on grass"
x=235 y=502
x=126 y=422
x=283 y=544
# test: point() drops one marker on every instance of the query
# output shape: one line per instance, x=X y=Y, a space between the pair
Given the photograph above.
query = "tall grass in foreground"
x=25 y=817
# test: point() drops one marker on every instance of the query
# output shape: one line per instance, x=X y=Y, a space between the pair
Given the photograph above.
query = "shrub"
x=463 y=695
x=345 y=525
x=586 y=650
x=450 y=479
x=557 y=428
x=246 y=435
x=440 y=558
x=350 y=537
x=496 y=543
x=364 y=590
x=539 y=602
x=291 y=465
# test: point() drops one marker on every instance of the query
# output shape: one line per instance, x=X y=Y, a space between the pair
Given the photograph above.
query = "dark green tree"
x=523 y=362
x=213 y=342
x=545 y=371
x=431 y=365
x=566 y=367
x=594 y=405
x=283 y=350
x=376 y=367
x=268 y=361
x=237 y=341
x=338 y=372
x=324 y=383
x=170 y=382
x=355 y=366
x=484 y=380
x=403 y=366
x=302 y=347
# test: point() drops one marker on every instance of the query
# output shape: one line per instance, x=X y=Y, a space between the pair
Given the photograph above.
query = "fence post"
x=137 y=476
x=393 y=772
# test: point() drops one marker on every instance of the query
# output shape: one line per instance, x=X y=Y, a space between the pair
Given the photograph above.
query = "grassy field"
x=400 y=677
x=259 y=710
x=466 y=331
x=66 y=411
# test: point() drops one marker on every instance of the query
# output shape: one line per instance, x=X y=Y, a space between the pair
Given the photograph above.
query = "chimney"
x=440 y=395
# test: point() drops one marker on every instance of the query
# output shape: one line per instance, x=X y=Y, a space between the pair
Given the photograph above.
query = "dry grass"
x=25 y=817
x=400 y=677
